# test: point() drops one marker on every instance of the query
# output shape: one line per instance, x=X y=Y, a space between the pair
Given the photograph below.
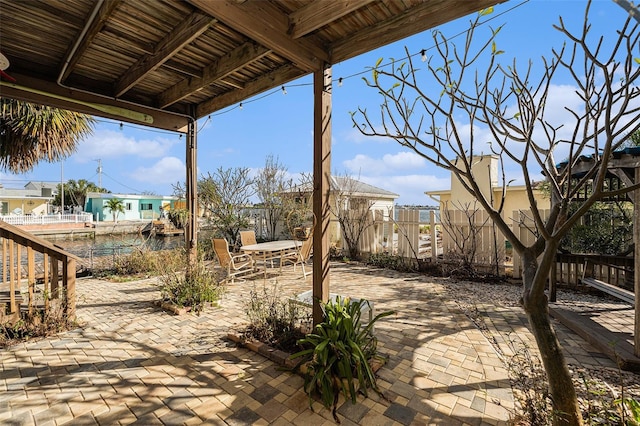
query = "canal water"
x=108 y=245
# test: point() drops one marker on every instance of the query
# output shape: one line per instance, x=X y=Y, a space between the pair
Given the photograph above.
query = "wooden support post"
x=191 y=231
x=69 y=277
x=54 y=278
x=12 y=277
x=46 y=292
x=31 y=278
x=636 y=261
x=5 y=277
x=321 y=187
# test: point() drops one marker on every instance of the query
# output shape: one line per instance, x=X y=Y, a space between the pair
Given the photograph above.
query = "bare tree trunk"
x=563 y=394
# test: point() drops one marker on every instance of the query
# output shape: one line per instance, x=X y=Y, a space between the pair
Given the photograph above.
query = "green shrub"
x=193 y=289
x=145 y=261
x=338 y=353
x=274 y=320
x=178 y=217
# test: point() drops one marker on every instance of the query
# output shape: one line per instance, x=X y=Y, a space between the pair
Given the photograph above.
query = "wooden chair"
x=300 y=257
x=235 y=265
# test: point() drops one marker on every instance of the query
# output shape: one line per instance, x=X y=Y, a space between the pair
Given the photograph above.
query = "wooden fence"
x=490 y=248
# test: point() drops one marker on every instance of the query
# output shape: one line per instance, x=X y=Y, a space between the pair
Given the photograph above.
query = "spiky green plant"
x=337 y=354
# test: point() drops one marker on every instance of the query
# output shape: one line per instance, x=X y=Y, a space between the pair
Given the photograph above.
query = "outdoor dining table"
x=271 y=250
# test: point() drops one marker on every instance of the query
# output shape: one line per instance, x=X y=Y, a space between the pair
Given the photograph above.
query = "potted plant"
x=339 y=354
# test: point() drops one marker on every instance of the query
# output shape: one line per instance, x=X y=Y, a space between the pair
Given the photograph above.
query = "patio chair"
x=248 y=238
x=235 y=265
x=301 y=256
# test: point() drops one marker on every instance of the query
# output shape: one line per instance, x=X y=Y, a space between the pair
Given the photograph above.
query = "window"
x=127 y=206
x=146 y=206
x=4 y=207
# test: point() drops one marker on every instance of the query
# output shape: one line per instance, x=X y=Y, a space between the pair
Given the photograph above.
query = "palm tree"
x=30 y=133
x=75 y=192
x=115 y=206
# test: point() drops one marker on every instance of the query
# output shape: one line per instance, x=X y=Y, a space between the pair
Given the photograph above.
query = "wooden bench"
x=610 y=289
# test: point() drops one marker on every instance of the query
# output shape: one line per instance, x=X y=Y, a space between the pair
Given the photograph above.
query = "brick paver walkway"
x=132 y=363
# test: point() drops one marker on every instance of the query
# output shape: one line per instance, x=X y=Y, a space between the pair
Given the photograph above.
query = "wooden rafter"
x=234 y=60
x=183 y=34
x=417 y=19
x=263 y=22
x=73 y=56
x=320 y=13
x=280 y=76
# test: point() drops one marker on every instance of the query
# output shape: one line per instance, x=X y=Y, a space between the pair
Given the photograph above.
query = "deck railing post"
x=69 y=287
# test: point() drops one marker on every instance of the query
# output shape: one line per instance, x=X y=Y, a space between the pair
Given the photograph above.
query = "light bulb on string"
x=121 y=125
x=340 y=82
x=423 y=55
x=240 y=105
x=284 y=90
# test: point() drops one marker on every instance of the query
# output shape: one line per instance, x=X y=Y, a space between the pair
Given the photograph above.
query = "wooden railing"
x=35 y=268
x=615 y=270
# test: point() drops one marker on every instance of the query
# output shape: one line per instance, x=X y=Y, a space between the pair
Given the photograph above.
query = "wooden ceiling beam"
x=225 y=65
x=280 y=76
x=43 y=92
x=106 y=9
x=420 y=18
x=183 y=34
x=266 y=24
x=320 y=13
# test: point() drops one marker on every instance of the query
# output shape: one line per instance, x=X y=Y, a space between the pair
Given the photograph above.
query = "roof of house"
x=109 y=195
x=352 y=186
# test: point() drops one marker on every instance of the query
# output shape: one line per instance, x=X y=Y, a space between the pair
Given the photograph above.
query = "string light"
x=121 y=125
x=422 y=53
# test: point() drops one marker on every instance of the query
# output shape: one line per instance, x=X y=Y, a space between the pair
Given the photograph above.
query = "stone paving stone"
x=401 y=414
x=132 y=353
x=271 y=410
x=264 y=393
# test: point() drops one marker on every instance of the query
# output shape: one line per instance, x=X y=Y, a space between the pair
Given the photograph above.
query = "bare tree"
x=352 y=209
x=513 y=108
x=270 y=183
x=463 y=235
x=225 y=194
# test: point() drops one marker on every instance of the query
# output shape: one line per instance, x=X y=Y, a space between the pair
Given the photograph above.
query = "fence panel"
x=408 y=232
x=46 y=219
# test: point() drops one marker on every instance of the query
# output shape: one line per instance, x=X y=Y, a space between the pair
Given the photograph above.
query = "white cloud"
x=114 y=144
x=167 y=170
x=355 y=136
x=403 y=160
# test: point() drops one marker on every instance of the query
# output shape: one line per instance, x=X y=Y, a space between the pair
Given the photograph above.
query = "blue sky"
x=136 y=159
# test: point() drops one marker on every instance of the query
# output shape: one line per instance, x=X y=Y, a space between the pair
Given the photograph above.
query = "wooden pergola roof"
x=159 y=57
x=167 y=63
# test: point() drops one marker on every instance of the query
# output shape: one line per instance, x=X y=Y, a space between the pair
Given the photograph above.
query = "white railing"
x=46 y=219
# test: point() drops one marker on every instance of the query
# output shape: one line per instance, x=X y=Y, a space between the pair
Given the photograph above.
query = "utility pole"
x=99 y=170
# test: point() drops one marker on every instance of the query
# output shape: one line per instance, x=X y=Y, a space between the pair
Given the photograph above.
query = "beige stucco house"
x=485 y=169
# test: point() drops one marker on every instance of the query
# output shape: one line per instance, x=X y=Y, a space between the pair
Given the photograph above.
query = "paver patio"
x=132 y=363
